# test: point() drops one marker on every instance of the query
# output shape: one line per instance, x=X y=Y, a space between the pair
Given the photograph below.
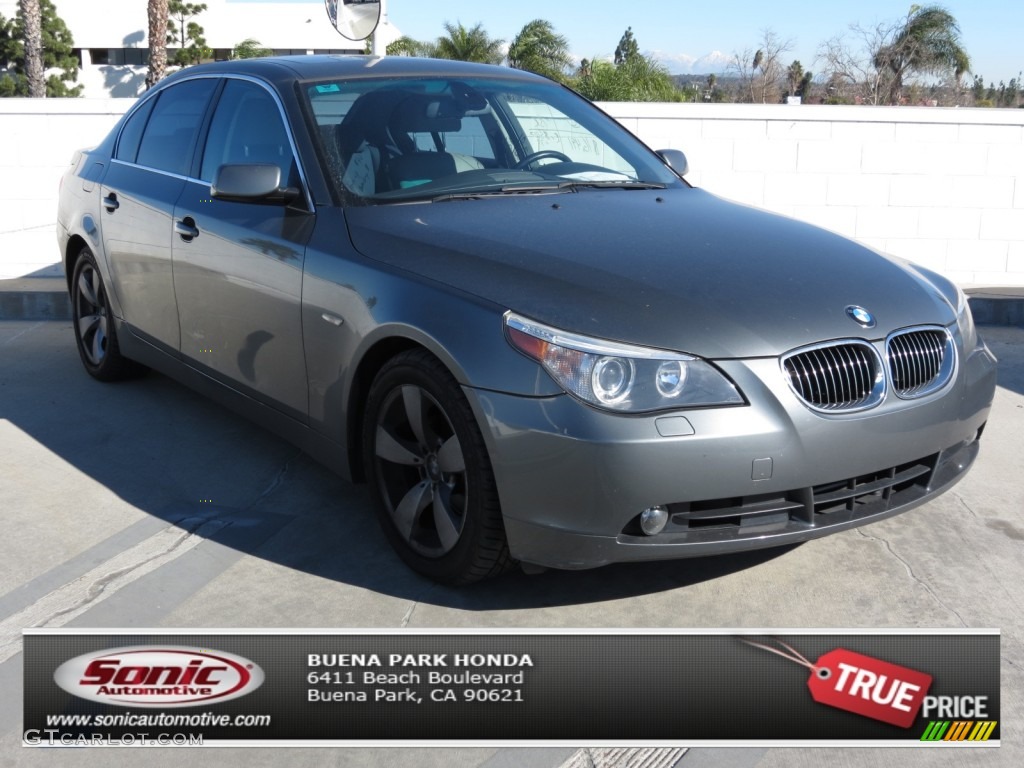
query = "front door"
x=238 y=265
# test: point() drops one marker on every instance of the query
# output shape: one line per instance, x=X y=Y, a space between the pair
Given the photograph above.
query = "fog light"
x=653 y=520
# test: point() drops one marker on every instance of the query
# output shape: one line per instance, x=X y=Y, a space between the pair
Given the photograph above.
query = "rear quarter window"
x=131 y=133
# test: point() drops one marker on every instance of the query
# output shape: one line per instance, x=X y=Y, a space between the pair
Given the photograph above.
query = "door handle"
x=186 y=228
x=110 y=203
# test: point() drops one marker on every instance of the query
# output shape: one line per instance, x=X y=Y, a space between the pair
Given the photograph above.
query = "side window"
x=131 y=133
x=247 y=128
x=172 y=128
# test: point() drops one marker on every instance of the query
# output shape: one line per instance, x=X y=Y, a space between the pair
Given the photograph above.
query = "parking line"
x=71 y=600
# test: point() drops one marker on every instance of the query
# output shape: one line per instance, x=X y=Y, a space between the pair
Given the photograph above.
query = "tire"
x=430 y=474
x=95 y=335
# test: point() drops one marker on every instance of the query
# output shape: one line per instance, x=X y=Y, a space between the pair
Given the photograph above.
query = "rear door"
x=139 y=191
x=238 y=265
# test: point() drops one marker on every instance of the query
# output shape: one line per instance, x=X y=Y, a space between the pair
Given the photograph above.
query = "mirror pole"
x=379 y=48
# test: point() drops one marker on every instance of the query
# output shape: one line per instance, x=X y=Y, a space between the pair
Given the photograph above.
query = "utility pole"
x=379 y=47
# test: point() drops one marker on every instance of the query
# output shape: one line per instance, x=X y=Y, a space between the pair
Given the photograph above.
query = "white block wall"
x=37 y=140
x=942 y=187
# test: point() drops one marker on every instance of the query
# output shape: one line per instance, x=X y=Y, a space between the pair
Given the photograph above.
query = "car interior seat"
x=431 y=116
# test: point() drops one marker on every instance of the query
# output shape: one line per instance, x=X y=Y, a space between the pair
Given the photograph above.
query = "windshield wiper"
x=631 y=184
x=510 y=189
x=531 y=188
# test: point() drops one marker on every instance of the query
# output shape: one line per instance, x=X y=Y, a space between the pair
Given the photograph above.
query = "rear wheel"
x=430 y=474
x=94 y=324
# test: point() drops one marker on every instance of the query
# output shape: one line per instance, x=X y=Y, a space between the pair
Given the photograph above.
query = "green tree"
x=538 y=48
x=794 y=76
x=631 y=77
x=463 y=44
x=250 y=48
x=805 y=86
x=186 y=35
x=638 y=78
x=978 y=88
x=157 y=12
x=406 y=46
x=627 y=48
x=1009 y=94
x=927 y=42
x=57 y=54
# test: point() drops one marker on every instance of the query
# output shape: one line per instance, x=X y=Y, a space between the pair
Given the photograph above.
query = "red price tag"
x=869 y=687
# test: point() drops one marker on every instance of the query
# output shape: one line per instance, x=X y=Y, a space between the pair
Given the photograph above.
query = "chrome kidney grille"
x=848 y=375
x=836 y=376
x=921 y=360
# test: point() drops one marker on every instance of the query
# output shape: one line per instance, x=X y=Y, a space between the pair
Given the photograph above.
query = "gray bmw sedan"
x=471 y=288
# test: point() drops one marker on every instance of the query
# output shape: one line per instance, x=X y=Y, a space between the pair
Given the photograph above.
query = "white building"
x=111 y=37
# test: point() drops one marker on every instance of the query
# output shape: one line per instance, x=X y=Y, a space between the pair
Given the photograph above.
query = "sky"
x=681 y=31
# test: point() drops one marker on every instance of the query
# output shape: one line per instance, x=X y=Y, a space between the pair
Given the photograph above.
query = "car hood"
x=674 y=269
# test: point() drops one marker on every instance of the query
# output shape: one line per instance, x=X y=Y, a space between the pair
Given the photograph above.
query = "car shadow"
x=516 y=590
x=176 y=456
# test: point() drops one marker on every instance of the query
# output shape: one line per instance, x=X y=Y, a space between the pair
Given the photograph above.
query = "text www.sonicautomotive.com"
x=53 y=735
x=158 y=719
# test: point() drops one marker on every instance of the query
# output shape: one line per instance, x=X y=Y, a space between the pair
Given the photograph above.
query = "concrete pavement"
x=94 y=474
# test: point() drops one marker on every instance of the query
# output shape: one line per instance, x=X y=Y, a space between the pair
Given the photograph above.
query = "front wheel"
x=430 y=474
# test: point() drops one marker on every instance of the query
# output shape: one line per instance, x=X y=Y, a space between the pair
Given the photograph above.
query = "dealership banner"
x=127 y=687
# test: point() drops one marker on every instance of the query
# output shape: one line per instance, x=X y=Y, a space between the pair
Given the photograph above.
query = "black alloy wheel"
x=95 y=335
x=430 y=475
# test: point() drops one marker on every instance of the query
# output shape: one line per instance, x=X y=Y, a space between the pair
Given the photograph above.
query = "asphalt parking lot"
x=143 y=504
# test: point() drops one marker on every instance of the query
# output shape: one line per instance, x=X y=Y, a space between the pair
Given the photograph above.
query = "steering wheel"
x=532 y=158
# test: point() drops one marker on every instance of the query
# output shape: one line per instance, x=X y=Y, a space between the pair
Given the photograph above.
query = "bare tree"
x=743 y=68
x=877 y=64
x=762 y=73
x=850 y=68
x=157 y=42
x=770 y=66
x=32 y=17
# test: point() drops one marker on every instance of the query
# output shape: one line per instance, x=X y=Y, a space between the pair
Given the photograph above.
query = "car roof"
x=284 y=69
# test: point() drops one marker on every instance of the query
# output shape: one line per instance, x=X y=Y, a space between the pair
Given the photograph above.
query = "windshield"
x=410 y=139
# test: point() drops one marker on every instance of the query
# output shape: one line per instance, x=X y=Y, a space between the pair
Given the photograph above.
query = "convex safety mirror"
x=354 y=19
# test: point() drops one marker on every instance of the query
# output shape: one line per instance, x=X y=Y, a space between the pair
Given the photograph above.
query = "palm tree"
x=928 y=42
x=474 y=44
x=638 y=78
x=157 y=42
x=794 y=75
x=538 y=48
x=32 y=18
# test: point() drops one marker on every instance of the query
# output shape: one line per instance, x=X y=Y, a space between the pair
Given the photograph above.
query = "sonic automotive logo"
x=158 y=676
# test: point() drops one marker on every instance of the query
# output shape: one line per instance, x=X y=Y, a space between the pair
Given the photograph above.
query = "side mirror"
x=676 y=160
x=254 y=183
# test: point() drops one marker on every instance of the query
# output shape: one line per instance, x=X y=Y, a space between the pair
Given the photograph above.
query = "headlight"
x=621 y=377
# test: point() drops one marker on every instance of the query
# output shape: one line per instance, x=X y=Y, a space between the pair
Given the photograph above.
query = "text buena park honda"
x=455 y=683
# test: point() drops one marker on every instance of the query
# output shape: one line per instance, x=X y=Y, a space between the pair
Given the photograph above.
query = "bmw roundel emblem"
x=861 y=316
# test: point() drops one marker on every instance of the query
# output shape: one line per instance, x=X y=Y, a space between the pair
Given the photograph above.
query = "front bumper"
x=573 y=479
